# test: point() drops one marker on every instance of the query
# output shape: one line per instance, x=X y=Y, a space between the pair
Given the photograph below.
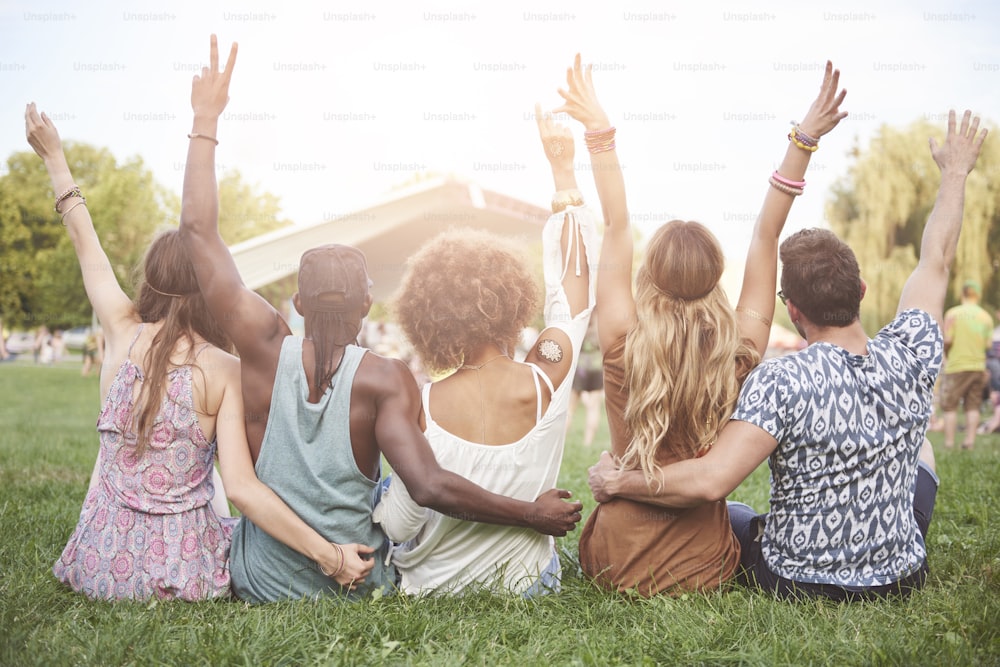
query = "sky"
x=334 y=104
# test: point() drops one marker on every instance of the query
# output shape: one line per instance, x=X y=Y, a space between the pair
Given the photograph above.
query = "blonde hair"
x=684 y=359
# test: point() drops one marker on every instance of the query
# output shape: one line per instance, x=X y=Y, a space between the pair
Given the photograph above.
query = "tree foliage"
x=881 y=207
x=243 y=212
x=40 y=280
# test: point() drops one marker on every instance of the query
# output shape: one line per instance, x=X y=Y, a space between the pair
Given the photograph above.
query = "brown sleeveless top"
x=655 y=550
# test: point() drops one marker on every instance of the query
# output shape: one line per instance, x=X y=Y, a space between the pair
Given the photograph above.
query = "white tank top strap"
x=425 y=396
x=536 y=373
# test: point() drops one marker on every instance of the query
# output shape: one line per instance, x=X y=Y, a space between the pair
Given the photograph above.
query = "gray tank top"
x=307 y=459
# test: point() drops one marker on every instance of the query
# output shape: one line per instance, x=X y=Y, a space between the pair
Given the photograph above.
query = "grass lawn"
x=48 y=446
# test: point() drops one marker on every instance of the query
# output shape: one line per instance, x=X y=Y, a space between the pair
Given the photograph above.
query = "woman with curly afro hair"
x=463 y=303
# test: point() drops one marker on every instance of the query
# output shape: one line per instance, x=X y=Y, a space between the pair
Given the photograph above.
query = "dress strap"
x=134 y=339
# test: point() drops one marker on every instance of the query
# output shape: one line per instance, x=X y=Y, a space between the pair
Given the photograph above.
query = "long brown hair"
x=168 y=293
x=684 y=358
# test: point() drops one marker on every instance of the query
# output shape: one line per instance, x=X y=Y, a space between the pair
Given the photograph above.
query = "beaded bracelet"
x=196 y=135
x=803 y=140
x=72 y=191
x=563 y=199
x=599 y=141
x=790 y=183
x=781 y=187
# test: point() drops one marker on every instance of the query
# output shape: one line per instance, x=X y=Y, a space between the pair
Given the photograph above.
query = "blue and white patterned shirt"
x=849 y=430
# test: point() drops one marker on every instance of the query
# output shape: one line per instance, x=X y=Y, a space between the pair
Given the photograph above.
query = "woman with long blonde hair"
x=675 y=356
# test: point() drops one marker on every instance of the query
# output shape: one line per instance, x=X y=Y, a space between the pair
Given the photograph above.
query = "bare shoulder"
x=217 y=361
x=376 y=370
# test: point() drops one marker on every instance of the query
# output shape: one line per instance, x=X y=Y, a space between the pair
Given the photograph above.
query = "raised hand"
x=210 y=91
x=581 y=100
x=553 y=515
x=960 y=149
x=825 y=113
x=42 y=133
x=556 y=138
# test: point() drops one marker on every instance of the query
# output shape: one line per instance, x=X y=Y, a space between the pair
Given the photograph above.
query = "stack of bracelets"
x=73 y=191
x=786 y=185
x=803 y=140
x=340 y=550
x=599 y=141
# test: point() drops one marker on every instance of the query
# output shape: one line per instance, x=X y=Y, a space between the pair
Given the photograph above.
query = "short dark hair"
x=820 y=275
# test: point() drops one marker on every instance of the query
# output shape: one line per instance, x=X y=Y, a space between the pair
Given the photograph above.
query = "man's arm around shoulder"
x=397 y=407
x=741 y=447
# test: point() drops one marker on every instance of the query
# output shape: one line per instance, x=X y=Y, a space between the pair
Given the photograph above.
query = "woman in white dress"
x=501 y=423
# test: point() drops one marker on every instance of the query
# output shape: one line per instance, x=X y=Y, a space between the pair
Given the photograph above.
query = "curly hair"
x=684 y=359
x=464 y=288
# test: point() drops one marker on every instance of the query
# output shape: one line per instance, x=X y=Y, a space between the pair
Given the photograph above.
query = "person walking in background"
x=588 y=385
x=42 y=349
x=968 y=331
x=93 y=351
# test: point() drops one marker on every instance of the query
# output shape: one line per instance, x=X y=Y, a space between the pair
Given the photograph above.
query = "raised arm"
x=614 y=276
x=429 y=485
x=345 y=562
x=251 y=323
x=927 y=285
x=569 y=242
x=111 y=305
x=756 y=304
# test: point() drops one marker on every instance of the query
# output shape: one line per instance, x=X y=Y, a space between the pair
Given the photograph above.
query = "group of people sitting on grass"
x=299 y=423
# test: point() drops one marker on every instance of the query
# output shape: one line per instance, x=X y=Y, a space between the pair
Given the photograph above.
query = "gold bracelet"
x=82 y=202
x=563 y=199
x=196 y=135
x=751 y=313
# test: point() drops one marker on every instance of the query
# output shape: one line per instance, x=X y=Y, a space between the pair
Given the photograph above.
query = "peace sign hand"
x=210 y=91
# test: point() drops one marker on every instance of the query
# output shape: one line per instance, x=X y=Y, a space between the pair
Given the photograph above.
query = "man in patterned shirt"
x=843 y=421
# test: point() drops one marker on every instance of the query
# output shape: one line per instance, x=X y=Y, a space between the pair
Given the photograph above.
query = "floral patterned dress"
x=147 y=528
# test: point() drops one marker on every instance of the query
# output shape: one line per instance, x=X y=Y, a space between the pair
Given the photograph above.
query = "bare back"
x=495 y=405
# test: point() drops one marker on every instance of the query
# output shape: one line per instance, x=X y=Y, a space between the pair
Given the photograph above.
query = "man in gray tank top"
x=321 y=411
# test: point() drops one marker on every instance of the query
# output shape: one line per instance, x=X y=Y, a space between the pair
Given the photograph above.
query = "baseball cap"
x=972 y=285
x=333 y=278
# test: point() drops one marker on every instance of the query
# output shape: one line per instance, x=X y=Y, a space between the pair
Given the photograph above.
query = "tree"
x=40 y=280
x=881 y=206
x=243 y=213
